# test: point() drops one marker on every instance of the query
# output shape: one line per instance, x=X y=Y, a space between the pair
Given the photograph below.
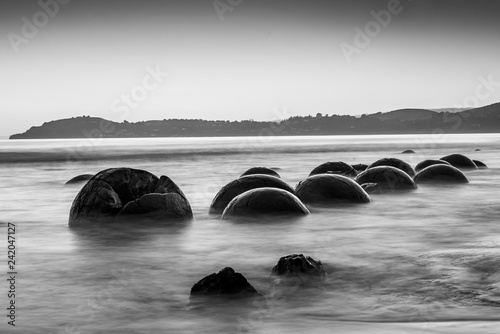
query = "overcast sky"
x=246 y=59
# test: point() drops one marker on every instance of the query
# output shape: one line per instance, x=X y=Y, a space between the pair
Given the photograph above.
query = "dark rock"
x=110 y=193
x=334 y=167
x=298 y=265
x=394 y=162
x=242 y=184
x=261 y=170
x=80 y=178
x=330 y=189
x=226 y=282
x=426 y=163
x=408 y=152
x=387 y=178
x=460 y=161
x=371 y=188
x=268 y=201
x=360 y=167
x=477 y=149
x=440 y=174
x=480 y=164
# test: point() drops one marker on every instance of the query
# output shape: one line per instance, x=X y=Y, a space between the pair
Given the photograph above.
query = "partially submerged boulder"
x=80 y=178
x=387 y=178
x=334 y=167
x=371 y=188
x=429 y=162
x=460 y=161
x=260 y=170
x=441 y=174
x=225 y=283
x=330 y=189
x=394 y=162
x=242 y=184
x=360 y=167
x=265 y=201
x=408 y=152
x=298 y=265
x=480 y=164
x=125 y=191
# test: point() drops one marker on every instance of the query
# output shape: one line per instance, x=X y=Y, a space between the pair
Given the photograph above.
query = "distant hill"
x=404 y=121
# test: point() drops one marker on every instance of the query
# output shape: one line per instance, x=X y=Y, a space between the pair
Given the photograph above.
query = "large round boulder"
x=225 y=283
x=440 y=174
x=80 y=178
x=330 y=189
x=260 y=170
x=242 y=184
x=334 y=167
x=387 y=178
x=426 y=163
x=125 y=191
x=394 y=162
x=460 y=161
x=480 y=164
x=265 y=201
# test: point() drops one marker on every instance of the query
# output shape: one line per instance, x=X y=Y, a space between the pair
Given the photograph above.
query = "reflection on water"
x=415 y=262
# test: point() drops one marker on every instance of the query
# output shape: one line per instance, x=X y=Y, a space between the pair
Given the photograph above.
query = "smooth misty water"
x=427 y=261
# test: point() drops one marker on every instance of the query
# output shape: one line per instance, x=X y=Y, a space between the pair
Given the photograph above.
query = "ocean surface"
x=421 y=262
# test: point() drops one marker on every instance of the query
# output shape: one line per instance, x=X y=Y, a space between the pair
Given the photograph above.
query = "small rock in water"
x=226 y=282
x=480 y=164
x=298 y=265
x=408 y=152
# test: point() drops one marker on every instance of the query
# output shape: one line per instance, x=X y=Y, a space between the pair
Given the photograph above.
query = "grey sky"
x=262 y=57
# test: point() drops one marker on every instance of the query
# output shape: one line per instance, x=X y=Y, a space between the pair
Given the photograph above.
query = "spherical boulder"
x=480 y=164
x=242 y=184
x=225 y=283
x=360 y=167
x=124 y=191
x=334 y=167
x=265 y=201
x=426 y=163
x=260 y=170
x=330 y=189
x=460 y=161
x=298 y=265
x=387 y=178
x=440 y=174
x=394 y=162
x=80 y=178
x=371 y=188
x=408 y=152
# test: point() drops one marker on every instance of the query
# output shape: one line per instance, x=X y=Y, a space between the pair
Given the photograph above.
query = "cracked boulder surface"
x=298 y=265
x=121 y=192
x=243 y=184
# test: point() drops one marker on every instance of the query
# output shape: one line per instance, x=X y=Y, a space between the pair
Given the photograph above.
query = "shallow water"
x=426 y=261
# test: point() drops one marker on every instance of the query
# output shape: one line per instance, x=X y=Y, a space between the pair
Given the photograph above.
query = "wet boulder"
x=330 y=189
x=480 y=164
x=394 y=162
x=225 y=283
x=426 y=163
x=387 y=178
x=334 y=167
x=360 y=167
x=265 y=201
x=298 y=265
x=371 y=188
x=408 y=152
x=80 y=178
x=440 y=174
x=260 y=170
x=124 y=192
x=460 y=161
x=242 y=184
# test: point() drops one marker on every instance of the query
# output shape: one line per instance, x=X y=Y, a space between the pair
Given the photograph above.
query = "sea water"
x=427 y=261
